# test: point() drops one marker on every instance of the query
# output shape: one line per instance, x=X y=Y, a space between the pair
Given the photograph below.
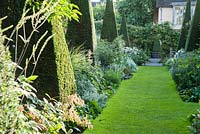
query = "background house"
x=95 y=2
x=172 y=11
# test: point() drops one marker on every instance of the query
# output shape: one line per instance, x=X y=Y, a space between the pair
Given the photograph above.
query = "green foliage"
x=146 y=37
x=168 y=39
x=82 y=32
x=150 y=102
x=20 y=115
x=129 y=66
x=108 y=52
x=65 y=73
x=90 y=83
x=62 y=8
x=137 y=12
x=113 y=56
x=193 y=40
x=185 y=26
x=98 y=27
x=138 y=36
x=139 y=56
x=195 y=121
x=22 y=112
x=109 y=28
x=104 y=54
x=29 y=44
x=190 y=94
x=185 y=69
x=124 y=31
x=98 y=11
x=113 y=77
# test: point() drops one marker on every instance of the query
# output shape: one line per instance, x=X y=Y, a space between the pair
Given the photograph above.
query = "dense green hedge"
x=186 y=74
x=147 y=38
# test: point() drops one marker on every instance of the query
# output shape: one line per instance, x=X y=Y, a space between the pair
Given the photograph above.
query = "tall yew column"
x=82 y=32
x=65 y=73
x=193 y=40
x=109 y=29
x=185 y=26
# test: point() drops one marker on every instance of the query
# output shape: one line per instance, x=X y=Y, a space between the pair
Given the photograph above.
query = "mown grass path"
x=146 y=104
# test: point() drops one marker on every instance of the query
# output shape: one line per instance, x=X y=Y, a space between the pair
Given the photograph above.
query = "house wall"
x=174 y=14
x=165 y=14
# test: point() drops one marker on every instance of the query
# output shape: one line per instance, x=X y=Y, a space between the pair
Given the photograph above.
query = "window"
x=179 y=12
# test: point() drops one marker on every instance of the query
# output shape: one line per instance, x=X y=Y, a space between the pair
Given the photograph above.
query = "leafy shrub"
x=139 y=56
x=185 y=70
x=125 y=67
x=129 y=65
x=98 y=26
x=171 y=61
x=104 y=55
x=90 y=83
x=22 y=112
x=113 y=77
x=195 y=120
x=108 y=52
x=191 y=94
x=98 y=11
x=145 y=37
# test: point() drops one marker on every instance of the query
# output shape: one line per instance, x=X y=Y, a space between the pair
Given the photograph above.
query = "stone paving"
x=154 y=62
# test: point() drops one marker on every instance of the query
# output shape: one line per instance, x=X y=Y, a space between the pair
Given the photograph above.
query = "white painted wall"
x=168 y=14
x=165 y=15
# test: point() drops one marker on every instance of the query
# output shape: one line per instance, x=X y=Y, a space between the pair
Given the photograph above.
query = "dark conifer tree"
x=193 y=40
x=65 y=73
x=185 y=26
x=82 y=32
x=124 y=31
x=109 y=29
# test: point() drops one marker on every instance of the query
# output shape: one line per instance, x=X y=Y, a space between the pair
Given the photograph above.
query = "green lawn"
x=146 y=104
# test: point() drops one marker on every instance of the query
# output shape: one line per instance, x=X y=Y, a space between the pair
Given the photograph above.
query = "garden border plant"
x=29 y=101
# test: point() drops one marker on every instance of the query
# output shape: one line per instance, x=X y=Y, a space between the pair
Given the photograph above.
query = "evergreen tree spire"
x=109 y=29
x=185 y=26
x=194 y=32
x=124 y=31
x=65 y=72
x=82 y=32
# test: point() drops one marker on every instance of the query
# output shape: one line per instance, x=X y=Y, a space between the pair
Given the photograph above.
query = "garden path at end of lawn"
x=148 y=103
